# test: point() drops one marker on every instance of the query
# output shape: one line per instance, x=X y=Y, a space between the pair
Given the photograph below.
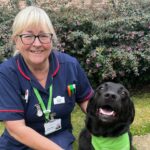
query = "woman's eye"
x=27 y=36
x=43 y=36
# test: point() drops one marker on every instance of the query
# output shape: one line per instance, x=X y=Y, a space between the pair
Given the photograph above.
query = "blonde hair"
x=32 y=16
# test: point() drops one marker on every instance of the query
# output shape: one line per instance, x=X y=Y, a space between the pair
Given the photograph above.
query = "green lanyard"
x=39 y=98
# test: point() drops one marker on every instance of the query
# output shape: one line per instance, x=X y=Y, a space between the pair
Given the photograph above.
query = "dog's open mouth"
x=106 y=112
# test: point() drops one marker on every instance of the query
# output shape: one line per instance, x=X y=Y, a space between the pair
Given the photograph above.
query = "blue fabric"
x=16 y=79
x=64 y=139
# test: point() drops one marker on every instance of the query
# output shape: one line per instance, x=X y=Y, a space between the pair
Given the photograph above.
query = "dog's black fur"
x=110 y=113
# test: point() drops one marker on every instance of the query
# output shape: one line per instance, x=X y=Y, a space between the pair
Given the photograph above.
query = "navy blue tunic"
x=16 y=79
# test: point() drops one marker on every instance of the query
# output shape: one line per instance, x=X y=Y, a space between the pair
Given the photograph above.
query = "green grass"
x=1 y=127
x=140 y=126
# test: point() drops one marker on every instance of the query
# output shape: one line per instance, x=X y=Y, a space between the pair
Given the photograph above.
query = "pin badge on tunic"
x=39 y=112
x=71 y=89
x=26 y=97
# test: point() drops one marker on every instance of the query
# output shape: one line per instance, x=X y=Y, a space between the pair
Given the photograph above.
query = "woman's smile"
x=37 y=51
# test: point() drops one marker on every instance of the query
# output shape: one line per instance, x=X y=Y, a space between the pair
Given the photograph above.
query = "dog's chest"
x=111 y=143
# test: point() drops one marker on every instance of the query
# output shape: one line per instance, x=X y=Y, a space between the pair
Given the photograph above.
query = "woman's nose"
x=37 y=42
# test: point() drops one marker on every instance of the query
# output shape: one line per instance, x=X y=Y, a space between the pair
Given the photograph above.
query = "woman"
x=39 y=88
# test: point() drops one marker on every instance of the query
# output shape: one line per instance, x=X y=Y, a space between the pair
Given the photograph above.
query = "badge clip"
x=39 y=112
x=52 y=115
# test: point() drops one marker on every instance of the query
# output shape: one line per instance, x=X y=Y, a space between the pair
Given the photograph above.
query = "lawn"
x=1 y=127
x=140 y=126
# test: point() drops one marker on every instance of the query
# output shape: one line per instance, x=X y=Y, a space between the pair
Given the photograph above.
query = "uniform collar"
x=25 y=72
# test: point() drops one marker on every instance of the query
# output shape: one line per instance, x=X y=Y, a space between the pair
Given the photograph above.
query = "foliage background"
x=112 y=43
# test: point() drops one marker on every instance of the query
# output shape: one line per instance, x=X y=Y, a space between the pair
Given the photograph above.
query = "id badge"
x=52 y=126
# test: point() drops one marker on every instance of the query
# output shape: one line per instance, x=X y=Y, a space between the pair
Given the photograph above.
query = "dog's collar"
x=111 y=143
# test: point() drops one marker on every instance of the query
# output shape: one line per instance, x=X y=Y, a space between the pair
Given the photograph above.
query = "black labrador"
x=110 y=113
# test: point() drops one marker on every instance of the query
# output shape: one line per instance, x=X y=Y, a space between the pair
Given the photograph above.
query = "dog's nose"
x=110 y=96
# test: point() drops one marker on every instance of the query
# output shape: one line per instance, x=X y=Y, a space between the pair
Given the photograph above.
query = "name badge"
x=59 y=100
x=52 y=126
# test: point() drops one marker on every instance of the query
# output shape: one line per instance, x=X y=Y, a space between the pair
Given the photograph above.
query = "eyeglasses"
x=29 y=39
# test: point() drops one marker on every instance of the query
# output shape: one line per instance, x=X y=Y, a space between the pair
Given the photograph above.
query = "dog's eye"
x=123 y=93
x=101 y=88
x=98 y=90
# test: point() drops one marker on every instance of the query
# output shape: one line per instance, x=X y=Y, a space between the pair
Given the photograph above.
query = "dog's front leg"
x=85 y=140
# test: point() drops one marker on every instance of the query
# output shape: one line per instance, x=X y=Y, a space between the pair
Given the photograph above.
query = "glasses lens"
x=27 y=38
x=45 y=38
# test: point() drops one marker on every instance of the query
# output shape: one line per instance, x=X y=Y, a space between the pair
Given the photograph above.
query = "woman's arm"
x=83 y=105
x=29 y=137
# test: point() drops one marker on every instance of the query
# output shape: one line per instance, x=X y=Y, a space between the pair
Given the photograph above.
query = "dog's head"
x=110 y=109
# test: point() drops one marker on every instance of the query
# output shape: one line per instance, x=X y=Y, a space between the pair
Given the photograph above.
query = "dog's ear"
x=132 y=111
x=129 y=111
x=91 y=105
x=91 y=108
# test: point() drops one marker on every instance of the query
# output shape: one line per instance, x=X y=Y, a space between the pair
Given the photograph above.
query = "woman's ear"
x=14 y=39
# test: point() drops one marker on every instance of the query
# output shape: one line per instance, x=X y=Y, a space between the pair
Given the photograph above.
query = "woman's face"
x=36 y=53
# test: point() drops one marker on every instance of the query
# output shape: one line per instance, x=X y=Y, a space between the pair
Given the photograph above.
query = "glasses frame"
x=36 y=36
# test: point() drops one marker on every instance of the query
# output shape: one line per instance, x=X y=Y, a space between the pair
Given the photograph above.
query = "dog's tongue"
x=107 y=112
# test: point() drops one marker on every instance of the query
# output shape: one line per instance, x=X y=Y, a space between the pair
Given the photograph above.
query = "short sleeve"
x=11 y=107
x=84 y=90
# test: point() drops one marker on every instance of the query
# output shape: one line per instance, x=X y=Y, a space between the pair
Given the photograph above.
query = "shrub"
x=116 y=49
x=6 y=20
